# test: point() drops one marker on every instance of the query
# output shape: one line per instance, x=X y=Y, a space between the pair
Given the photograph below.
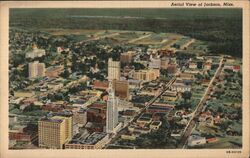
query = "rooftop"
x=90 y=140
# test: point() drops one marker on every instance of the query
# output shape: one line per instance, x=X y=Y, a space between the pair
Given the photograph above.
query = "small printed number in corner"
x=233 y=152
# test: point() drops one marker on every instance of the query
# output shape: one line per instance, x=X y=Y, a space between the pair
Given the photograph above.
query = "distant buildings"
x=54 y=132
x=170 y=96
x=96 y=113
x=80 y=117
x=155 y=63
x=113 y=69
x=35 y=53
x=192 y=65
x=36 y=69
x=100 y=85
x=164 y=63
x=112 y=111
x=23 y=134
x=172 y=68
x=207 y=66
x=180 y=87
x=24 y=94
x=146 y=75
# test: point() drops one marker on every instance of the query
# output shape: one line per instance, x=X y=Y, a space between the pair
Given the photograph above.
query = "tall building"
x=121 y=89
x=36 y=69
x=127 y=57
x=112 y=110
x=55 y=132
x=113 y=69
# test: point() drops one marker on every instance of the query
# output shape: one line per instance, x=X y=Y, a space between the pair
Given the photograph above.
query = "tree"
x=164 y=72
x=65 y=73
x=186 y=96
x=138 y=66
x=220 y=110
x=75 y=65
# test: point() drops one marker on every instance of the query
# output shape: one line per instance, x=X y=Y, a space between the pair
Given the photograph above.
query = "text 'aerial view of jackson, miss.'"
x=125 y=78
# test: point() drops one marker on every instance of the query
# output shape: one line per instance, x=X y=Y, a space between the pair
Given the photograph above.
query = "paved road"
x=139 y=38
x=194 y=119
x=167 y=86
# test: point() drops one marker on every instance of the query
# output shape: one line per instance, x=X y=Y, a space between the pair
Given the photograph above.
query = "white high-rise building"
x=36 y=69
x=112 y=110
x=113 y=69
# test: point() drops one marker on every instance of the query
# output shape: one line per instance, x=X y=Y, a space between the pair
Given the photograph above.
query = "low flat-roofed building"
x=172 y=68
x=12 y=119
x=164 y=63
x=155 y=63
x=157 y=109
x=134 y=83
x=55 y=86
x=192 y=65
x=96 y=140
x=23 y=136
x=143 y=121
x=146 y=75
x=180 y=87
x=163 y=105
x=54 y=71
x=100 y=85
x=207 y=66
x=128 y=136
x=186 y=75
x=170 y=96
x=24 y=94
x=155 y=125
x=138 y=129
x=80 y=117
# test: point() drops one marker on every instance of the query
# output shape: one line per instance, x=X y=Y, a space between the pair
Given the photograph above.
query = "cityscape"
x=100 y=79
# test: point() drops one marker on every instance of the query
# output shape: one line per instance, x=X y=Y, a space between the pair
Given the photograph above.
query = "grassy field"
x=222 y=28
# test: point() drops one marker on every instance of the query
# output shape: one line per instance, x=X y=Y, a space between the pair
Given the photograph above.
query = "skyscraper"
x=54 y=132
x=112 y=110
x=121 y=89
x=36 y=69
x=113 y=69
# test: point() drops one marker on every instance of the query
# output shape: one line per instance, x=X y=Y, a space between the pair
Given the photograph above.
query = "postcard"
x=124 y=79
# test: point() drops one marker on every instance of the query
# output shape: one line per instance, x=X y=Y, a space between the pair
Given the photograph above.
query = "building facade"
x=146 y=75
x=36 y=69
x=112 y=111
x=54 y=132
x=121 y=89
x=113 y=69
x=127 y=57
